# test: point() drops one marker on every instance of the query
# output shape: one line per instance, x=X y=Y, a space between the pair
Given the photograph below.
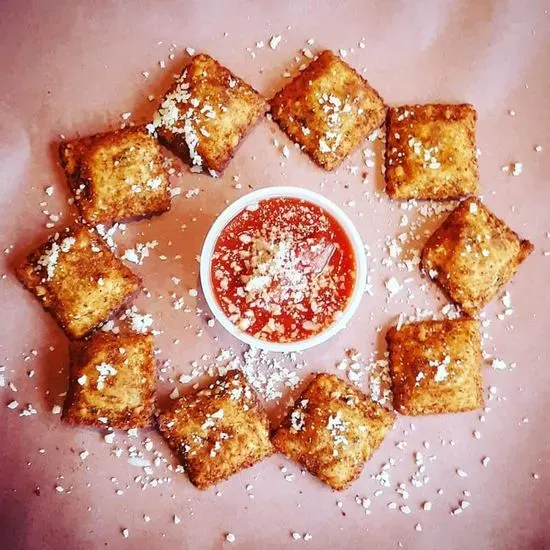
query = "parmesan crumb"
x=498 y=364
x=392 y=286
x=517 y=168
x=275 y=41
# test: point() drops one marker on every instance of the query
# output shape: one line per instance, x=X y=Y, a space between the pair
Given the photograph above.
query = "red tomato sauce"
x=283 y=270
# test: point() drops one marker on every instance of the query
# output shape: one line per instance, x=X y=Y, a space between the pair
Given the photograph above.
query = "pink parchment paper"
x=72 y=68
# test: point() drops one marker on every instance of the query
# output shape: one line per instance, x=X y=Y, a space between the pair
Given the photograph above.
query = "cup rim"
x=236 y=208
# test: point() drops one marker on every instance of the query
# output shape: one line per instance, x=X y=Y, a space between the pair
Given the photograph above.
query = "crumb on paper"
x=275 y=41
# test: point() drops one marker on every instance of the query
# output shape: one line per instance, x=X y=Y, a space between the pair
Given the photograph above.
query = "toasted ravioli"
x=112 y=380
x=116 y=176
x=473 y=255
x=206 y=114
x=436 y=367
x=218 y=431
x=332 y=430
x=431 y=152
x=328 y=109
x=78 y=279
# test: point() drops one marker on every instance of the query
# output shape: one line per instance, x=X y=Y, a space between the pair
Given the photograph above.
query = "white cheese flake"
x=275 y=41
x=50 y=257
x=174 y=394
x=392 y=286
x=105 y=370
x=499 y=364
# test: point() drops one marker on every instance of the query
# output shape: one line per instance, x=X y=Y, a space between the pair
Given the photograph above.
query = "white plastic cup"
x=296 y=193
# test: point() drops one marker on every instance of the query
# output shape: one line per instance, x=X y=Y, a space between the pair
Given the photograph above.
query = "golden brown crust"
x=333 y=430
x=78 y=280
x=328 y=109
x=112 y=381
x=431 y=152
x=473 y=255
x=116 y=176
x=436 y=367
x=207 y=113
x=218 y=431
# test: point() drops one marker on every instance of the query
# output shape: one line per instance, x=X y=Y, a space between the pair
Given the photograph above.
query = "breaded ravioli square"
x=206 y=114
x=78 y=279
x=333 y=430
x=112 y=380
x=431 y=152
x=218 y=431
x=473 y=255
x=116 y=176
x=328 y=109
x=435 y=367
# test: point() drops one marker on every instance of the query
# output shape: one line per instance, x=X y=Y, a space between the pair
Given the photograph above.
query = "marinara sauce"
x=283 y=269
